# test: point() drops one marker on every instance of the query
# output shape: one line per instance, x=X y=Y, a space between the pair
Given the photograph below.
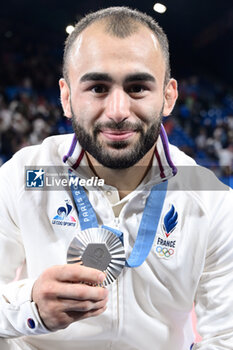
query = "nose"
x=117 y=105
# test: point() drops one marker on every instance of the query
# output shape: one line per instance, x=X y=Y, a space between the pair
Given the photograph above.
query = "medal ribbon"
x=148 y=226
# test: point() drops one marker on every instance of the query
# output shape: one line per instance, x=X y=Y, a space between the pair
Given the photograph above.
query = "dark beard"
x=105 y=157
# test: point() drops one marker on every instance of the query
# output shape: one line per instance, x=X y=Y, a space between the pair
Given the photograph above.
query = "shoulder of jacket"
x=180 y=158
x=47 y=152
x=198 y=183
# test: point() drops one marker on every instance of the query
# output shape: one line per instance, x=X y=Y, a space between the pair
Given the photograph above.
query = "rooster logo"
x=170 y=221
x=64 y=213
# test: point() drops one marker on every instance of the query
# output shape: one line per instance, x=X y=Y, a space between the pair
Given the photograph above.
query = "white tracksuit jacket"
x=149 y=306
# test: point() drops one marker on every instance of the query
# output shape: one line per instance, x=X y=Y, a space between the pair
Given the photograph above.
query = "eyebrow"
x=95 y=76
x=139 y=77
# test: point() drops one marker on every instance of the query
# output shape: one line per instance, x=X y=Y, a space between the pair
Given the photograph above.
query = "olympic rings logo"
x=164 y=252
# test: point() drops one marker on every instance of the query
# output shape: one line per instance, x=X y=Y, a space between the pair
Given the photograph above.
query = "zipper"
x=118 y=306
x=117 y=224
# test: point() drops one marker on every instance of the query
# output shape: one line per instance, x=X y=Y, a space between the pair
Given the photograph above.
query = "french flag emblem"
x=170 y=221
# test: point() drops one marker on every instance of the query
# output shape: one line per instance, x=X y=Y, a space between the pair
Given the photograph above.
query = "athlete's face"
x=116 y=95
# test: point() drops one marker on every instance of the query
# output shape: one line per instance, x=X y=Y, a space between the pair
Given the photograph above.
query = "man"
x=116 y=88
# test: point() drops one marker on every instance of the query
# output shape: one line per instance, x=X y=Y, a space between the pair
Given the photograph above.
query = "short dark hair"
x=120 y=22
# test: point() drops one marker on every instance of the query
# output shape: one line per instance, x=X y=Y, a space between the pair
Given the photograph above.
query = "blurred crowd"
x=26 y=119
x=29 y=98
x=201 y=123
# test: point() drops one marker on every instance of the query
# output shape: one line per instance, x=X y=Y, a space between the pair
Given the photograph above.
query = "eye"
x=137 y=90
x=99 y=89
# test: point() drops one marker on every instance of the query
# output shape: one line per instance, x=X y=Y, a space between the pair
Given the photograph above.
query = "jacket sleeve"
x=214 y=296
x=18 y=314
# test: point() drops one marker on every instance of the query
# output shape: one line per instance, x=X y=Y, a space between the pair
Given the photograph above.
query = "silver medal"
x=98 y=248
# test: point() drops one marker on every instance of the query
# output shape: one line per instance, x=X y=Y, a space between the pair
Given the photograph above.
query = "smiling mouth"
x=118 y=135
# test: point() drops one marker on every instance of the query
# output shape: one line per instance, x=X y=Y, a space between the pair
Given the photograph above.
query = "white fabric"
x=150 y=306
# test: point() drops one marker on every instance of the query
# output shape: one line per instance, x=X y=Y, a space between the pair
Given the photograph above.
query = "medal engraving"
x=98 y=248
x=96 y=255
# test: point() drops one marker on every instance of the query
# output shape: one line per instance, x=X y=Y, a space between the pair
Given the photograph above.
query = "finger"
x=82 y=306
x=78 y=291
x=79 y=273
x=76 y=316
x=93 y=313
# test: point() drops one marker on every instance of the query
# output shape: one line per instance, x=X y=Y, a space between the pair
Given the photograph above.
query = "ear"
x=170 y=95
x=65 y=97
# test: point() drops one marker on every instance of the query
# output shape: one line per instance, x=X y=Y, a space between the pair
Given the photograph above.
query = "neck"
x=125 y=180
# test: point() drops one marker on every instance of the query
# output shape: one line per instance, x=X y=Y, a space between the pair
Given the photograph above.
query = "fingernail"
x=101 y=277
